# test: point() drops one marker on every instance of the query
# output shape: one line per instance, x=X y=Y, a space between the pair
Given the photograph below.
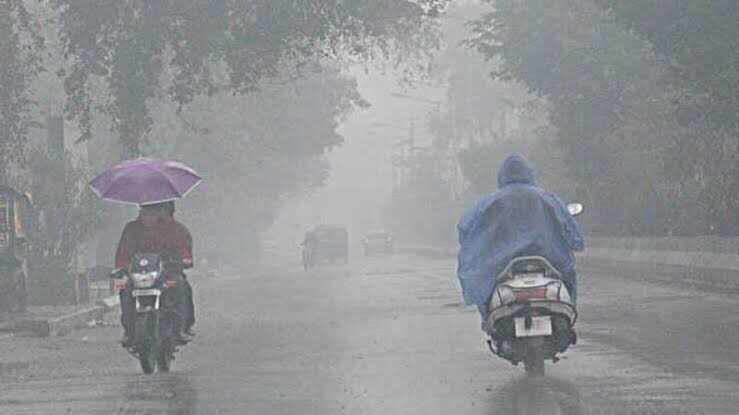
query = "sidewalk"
x=44 y=321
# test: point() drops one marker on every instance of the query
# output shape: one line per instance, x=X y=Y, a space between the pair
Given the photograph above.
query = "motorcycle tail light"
x=524 y=296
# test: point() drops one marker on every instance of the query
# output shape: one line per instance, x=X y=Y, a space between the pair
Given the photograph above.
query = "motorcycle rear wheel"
x=164 y=358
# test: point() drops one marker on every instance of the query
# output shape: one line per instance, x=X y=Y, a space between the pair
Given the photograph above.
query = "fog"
x=379 y=123
x=363 y=169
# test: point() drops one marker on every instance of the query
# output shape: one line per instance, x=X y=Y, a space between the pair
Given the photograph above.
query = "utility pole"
x=55 y=136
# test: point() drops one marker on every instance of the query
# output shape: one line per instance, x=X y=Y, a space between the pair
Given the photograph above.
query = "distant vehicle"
x=325 y=243
x=15 y=221
x=378 y=243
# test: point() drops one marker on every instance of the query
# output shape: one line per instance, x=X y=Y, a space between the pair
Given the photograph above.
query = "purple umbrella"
x=145 y=181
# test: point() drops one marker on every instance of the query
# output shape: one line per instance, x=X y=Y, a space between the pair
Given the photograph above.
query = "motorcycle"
x=152 y=280
x=531 y=317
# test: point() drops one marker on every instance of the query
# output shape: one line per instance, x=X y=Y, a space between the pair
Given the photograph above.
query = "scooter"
x=532 y=316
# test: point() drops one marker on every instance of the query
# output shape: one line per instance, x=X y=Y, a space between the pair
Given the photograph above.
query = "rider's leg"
x=483 y=309
x=128 y=311
x=174 y=300
x=570 y=280
x=189 y=305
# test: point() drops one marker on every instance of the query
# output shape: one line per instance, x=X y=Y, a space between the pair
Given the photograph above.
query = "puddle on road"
x=172 y=392
x=535 y=395
x=12 y=367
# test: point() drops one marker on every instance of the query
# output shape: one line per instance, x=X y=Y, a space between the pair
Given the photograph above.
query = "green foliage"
x=641 y=99
x=66 y=214
x=183 y=49
x=699 y=43
x=19 y=64
x=470 y=136
x=257 y=151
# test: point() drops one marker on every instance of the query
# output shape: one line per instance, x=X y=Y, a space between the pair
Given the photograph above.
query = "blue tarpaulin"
x=520 y=219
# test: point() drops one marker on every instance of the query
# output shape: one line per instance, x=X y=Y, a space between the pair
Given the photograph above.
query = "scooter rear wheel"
x=534 y=362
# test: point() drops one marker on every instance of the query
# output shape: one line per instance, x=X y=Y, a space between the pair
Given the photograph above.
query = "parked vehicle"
x=378 y=242
x=532 y=315
x=325 y=243
x=15 y=221
x=152 y=280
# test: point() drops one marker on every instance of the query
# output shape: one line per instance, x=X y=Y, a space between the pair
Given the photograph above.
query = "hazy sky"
x=361 y=172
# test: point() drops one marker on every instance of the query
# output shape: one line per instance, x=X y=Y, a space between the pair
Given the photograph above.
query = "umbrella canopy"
x=145 y=181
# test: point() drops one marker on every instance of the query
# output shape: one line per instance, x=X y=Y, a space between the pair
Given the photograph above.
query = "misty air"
x=380 y=207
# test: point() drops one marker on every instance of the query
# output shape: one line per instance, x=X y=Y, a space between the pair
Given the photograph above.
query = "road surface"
x=389 y=336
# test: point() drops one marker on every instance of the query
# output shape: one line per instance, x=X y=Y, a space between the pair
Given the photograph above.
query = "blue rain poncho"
x=520 y=219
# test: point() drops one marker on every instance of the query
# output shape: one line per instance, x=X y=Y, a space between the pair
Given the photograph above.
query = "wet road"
x=389 y=336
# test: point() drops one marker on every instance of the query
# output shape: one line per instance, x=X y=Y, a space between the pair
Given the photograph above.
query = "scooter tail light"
x=524 y=296
x=564 y=294
x=553 y=291
x=505 y=295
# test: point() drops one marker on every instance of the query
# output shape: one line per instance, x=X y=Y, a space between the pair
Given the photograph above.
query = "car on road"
x=378 y=243
x=325 y=243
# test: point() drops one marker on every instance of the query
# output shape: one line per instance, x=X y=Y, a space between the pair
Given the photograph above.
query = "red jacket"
x=167 y=235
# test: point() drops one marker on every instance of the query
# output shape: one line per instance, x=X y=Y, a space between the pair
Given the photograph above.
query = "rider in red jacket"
x=154 y=231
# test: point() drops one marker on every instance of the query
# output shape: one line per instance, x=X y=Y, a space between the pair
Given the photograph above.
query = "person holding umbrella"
x=156 y=231
x=153 y=185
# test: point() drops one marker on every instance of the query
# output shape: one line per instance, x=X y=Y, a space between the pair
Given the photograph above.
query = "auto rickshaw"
x=15 y=215
x=327 y=243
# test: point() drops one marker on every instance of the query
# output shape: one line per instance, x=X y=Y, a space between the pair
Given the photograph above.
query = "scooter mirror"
x=575 y=208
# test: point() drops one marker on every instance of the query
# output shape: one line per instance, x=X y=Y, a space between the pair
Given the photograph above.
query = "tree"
x=699 y=44
x=19 y=64
x=256 y=151
x=182 y=49
x=641 y=118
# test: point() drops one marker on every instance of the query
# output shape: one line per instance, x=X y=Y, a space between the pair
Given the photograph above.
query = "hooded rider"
x=520 y=219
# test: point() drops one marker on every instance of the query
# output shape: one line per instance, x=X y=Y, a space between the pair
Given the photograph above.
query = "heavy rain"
x=325 y=207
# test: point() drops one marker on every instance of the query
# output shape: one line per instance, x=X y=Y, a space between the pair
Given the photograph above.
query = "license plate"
x=540 y=326
x=145 y=293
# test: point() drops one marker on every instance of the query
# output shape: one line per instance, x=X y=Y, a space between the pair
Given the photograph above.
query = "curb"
x=60 y=326
x=109 y=303
x=428 y=251
x=665 y=267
